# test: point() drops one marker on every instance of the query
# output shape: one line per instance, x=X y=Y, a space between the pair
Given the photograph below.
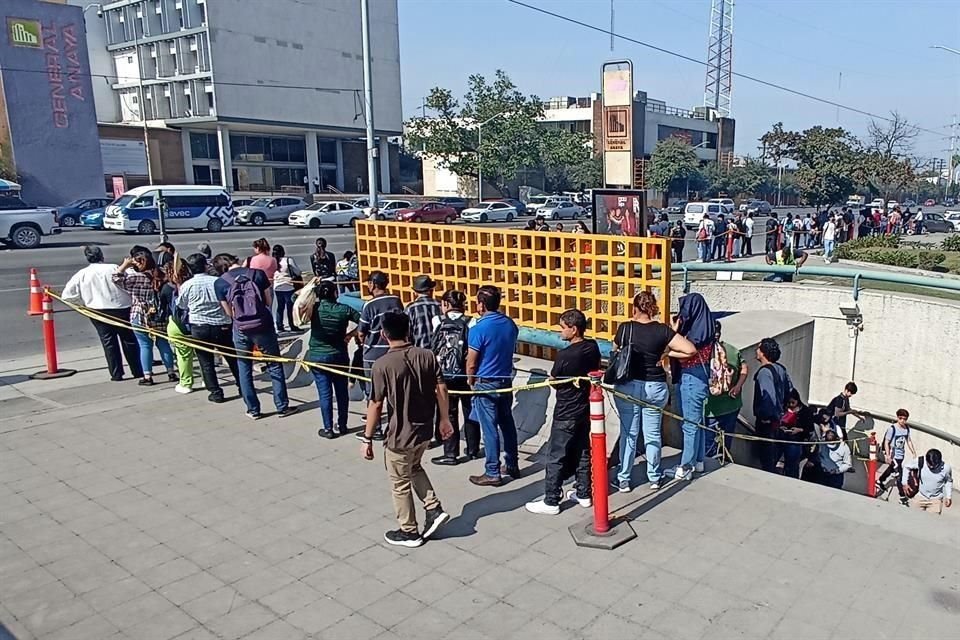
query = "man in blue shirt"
x=492 y=342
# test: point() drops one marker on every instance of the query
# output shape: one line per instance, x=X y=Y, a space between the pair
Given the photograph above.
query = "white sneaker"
x=655 y=486
x=182 y=389
x=586 y=503
x=541 y=507
x=682 y=474
x=698 y=467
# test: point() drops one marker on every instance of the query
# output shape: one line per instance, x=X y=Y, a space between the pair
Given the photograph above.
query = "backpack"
x=450 y=346
x=721 y=378
x=157 y=312
x=246 y=303
x=912 y=488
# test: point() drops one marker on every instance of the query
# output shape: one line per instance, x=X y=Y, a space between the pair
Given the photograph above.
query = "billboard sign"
x=619 y=212
x=617 y=95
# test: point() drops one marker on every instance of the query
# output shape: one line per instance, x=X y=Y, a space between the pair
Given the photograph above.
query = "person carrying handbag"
x=286 y=281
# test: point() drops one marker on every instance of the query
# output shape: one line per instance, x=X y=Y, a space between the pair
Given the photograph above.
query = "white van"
x=694 y=211
x=192 y=207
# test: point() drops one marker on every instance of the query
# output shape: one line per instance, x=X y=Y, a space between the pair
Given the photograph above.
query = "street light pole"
x=953 y=126
x=368 y=103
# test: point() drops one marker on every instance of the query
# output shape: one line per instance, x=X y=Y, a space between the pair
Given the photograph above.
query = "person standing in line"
x=176 y=274
x=731 y=234
x=748 y=224
x=718 y=251
x=829 y=239
x=835 y=460
x=723 y=409
x=741 y=234
x=322 y=262
x=918 y=222
x=407 y=379
x=347 y=272
x=422 y=312
x=94 y=288
x=209 y=323
x=807 y=235
x=896 y=441
x=568 y=449
x=694 y=321
x=329 y=324
x=263 y=260
x=246 y=296
x=933 y=482
x=492 y=343
x=368 y=330
x=286 y=278
x=451 y=332
x=839 y=408
x=771 y=388
x=140 y=277
x=648 y=341
x=165 y=252
x=705 y=238
x=677 y=234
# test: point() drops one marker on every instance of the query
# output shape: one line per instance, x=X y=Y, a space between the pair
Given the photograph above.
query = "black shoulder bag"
x=618 y=369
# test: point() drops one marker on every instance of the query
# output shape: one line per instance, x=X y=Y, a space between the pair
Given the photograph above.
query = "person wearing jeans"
x=723 y=409
x=329 y=321
x=288 y=273
x=646 y=387
x=146 y=341
x=491 y=344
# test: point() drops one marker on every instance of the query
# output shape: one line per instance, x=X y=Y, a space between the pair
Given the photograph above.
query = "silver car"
x=560 y=210
x=760 y=207
x=263 y=210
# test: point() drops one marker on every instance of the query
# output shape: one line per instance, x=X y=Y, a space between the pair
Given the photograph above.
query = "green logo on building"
x=24 y=33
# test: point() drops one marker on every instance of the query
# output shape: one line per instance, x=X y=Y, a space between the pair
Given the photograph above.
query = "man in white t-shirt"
x=829 y=236
x=747 y=249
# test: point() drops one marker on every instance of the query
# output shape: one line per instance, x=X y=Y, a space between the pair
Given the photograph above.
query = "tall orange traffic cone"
x=36 y=295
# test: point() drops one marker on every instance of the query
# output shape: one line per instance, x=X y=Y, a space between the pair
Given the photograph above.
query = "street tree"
x=828 y=165
x=888 y=163
x=672 y=163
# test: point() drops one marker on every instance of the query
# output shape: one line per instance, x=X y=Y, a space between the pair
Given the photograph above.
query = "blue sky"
x=880 y=47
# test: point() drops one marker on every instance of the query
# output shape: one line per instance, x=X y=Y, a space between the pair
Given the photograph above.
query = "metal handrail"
x=922 y=428
x=855 y=274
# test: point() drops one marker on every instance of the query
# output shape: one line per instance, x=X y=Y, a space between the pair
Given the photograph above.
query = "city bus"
x=190 y=207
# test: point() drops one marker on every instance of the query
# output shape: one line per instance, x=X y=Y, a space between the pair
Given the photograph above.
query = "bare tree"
x=893 y=138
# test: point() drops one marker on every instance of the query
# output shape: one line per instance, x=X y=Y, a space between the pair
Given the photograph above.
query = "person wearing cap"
x=422 y=311
x=369 y=328
x=165 y=251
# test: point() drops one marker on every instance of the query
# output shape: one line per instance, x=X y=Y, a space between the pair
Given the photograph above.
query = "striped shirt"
x=422 y=311
x=198 y=296
x=374 y=345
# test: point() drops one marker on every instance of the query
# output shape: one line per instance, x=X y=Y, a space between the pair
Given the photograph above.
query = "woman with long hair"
x=694 y=321
x=287 y=276
x=329 y=324
x=138 y=275
x=176 y=272
x=648 y=341
x=262 y=259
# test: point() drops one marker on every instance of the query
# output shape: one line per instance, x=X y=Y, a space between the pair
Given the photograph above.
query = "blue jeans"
x=726 y=423
x=632 y=416
x=330 y=384
x=692 y=396
x=703 y=250
x=284 y=304
x=266 y=341
x=828 y=248
x=146 y=341
x=494 y=412
x=792 y=453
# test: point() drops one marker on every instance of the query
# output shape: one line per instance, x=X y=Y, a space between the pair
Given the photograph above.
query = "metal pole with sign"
x=162 y=215
x=617 y=96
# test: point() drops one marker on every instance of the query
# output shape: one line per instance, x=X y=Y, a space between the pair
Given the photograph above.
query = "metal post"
x=161 y=215
x=479 y=163
x=143 y=105
x=368 y=103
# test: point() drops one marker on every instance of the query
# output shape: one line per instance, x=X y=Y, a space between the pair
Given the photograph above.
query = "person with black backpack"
x=771 y=389
x=246 y=296
x=450 y=336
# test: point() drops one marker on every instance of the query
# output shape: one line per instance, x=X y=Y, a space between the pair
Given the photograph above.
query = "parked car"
x=930 y=202
x=69 y=214
x=263 y=210
x=243 y=202
x=536 y=202
x=387 y=209
x=694 y=211
x=328 y=213
x=949 y=202
x=936 y=223
x=677 y=207
x=909 y=203
x=892 y=204
x=458 y=203
x=953 y=217
x=188 y=206
x=23 y=225
x=877 y=203
x=759 y=208
x=726 y=202
x=428 y=212
x=561 y=210
x=489 y=212
x=92 y=219
x=516 y=204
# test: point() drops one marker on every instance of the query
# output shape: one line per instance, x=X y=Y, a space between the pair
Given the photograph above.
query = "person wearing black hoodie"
x=694 y=322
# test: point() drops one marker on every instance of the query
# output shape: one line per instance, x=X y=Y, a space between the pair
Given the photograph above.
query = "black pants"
x=719 y=248
x=568 y=452
x=110 y=336
x=677 y=253
x=895 y=466
x=747 y=249
x=220 y=335
x=471 y=428
x=767 y=451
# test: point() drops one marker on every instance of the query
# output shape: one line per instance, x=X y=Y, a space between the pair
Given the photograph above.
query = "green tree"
x=672 y=163
x=495 y=130
x=7 y=170
x=828 y=166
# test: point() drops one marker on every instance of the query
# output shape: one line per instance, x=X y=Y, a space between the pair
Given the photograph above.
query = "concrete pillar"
x=187 y=156
x=384 y=153
x=226 y=159
x=313 y=159
x=340 y=165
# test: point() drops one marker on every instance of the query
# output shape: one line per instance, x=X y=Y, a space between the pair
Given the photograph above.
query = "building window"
x=202 y=174
x=204 y=145
x=690 y=136
x=298 y=150
x=327 y=150
x=328 y=177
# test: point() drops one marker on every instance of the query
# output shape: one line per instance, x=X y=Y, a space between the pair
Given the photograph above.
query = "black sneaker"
x=289 y=411
x=379 y=436
x=173 y=377
x=401 y=538
x=327 y=433
x=216 y=398
x=253 y=416
x=435 y=518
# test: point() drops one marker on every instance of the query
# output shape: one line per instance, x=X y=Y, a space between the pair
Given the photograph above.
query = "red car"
x=428 y=212
x=930 y=203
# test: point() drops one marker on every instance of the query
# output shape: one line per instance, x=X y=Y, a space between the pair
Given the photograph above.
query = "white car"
x=489 y=212
x=562 y=209
x=535 y=203
x=953 y=217
x=892 y=204
x=388 y=209
x=694 y=211
x=329 y=214
x=726 y=202
x=878 y=203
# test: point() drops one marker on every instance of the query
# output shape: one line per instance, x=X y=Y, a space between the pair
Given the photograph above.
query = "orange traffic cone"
x=36 y=295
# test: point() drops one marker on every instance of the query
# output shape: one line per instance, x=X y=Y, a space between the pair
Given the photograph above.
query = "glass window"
x=328 y=177
x=201 y=174
x=327 y=150
x=279 y=150
x=254 y=148
x=298 y=150
x=237 y=146
x=198 y=145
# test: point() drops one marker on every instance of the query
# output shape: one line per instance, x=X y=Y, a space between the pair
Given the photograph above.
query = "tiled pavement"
x=151 y=516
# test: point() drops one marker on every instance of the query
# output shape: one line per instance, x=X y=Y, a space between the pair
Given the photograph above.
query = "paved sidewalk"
x=148 y=515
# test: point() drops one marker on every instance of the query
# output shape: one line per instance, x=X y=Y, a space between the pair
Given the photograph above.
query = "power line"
x=675 y=54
